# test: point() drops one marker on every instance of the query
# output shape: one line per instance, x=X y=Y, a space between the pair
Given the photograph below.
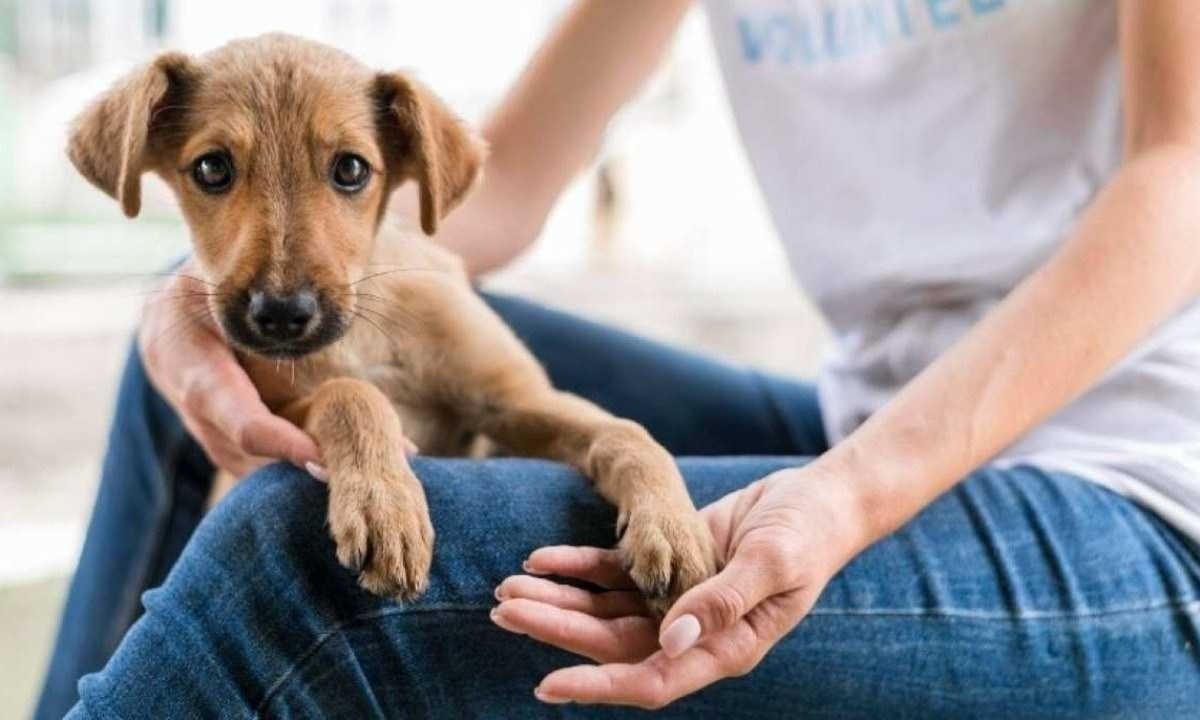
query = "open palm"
x=776 y=539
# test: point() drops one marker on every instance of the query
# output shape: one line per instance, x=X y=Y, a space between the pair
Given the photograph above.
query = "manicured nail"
x=494 y=614
x=680 y=636
x=410 y=448
x=319 y=473
x=546 y=697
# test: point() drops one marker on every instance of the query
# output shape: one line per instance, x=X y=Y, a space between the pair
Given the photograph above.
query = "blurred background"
x=649 y=237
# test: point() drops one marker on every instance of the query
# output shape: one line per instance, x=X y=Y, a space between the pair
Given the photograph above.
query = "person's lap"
x=1018 y=593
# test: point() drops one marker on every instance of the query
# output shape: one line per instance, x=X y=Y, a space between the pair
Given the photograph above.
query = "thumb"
x=267 y=435
x=234 y=405
x=717 y=603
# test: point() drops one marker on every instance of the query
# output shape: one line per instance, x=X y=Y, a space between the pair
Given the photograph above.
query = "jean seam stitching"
x=1185 y=607
x=336 y=629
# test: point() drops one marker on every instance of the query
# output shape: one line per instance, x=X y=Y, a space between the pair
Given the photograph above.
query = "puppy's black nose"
x=282 y=317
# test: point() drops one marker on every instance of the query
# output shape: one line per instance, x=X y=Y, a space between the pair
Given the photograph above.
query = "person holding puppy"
x=998 y=514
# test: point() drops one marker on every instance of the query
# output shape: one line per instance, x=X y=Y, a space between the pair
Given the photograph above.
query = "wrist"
x=882 y=489
x=832 y=508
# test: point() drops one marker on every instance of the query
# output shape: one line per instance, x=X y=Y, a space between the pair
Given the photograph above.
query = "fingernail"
x=319 y=473
x=494 y=614
x=546 y=697
x=680 y=636
x=499 y=594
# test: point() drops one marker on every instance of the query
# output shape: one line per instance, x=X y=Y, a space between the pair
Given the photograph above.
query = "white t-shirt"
x=920 y=157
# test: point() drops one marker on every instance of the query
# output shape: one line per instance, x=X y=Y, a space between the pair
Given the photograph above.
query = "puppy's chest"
x=431 y=423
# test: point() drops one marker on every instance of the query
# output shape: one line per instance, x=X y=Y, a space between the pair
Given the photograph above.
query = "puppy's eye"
x=213 y=172
x=350 y=173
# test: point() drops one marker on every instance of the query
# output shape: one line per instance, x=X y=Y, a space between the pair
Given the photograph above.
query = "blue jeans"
x=1020 y=593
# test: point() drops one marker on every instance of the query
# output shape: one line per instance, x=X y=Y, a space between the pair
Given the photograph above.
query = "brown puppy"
x=283 y=154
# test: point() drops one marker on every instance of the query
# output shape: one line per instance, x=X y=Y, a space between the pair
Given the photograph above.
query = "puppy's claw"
x=622 y=524
x=349 y=532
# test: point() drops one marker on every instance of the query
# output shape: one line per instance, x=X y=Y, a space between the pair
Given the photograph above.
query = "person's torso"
x=919 y=158
x=913 y=151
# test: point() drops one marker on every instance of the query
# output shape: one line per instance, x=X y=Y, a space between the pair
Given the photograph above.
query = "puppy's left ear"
x=114 y=140
x=424 y=140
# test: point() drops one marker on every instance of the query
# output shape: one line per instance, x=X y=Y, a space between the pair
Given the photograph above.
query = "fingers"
x=609 y=604
x=651 y=684
x=621 y=639
x=267 y=435
x=721 y=601
x=221 y=450
x=660 y=679
x=595 y=565
x=220 y=393
x=230 y=404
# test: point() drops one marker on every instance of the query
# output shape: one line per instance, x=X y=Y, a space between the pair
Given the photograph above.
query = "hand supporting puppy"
x=783 y=538
x=196 y=372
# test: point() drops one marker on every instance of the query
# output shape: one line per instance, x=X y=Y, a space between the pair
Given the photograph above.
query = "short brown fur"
x=411 y=349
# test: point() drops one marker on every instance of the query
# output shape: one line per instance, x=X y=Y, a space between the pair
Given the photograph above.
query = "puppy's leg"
x=665 y=544
x=377 y=512
x=493 y=382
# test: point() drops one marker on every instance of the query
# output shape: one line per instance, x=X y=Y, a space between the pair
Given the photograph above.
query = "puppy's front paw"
x=666 y=550
x=382 y=531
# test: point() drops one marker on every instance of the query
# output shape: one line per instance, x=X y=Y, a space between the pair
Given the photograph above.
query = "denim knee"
x=487 y=517
x=272 y=502
x=273 y=518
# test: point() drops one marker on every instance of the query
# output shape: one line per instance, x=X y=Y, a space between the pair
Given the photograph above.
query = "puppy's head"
x=283 y=154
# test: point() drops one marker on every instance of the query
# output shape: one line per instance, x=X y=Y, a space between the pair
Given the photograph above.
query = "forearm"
x=551 y=122
x=1132 y=261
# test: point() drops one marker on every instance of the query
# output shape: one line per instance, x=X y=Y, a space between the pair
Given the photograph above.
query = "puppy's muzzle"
x=282 y=324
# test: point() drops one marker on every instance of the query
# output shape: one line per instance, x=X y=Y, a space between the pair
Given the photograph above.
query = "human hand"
x=782 y=538
x=194 y=369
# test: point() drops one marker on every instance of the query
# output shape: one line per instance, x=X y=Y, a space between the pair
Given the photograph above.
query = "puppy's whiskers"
x=392 y=313
x=356 y=313
x=398 y=269
x=190 y=316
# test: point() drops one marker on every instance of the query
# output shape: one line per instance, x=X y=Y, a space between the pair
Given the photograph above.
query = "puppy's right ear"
x=113 y=141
